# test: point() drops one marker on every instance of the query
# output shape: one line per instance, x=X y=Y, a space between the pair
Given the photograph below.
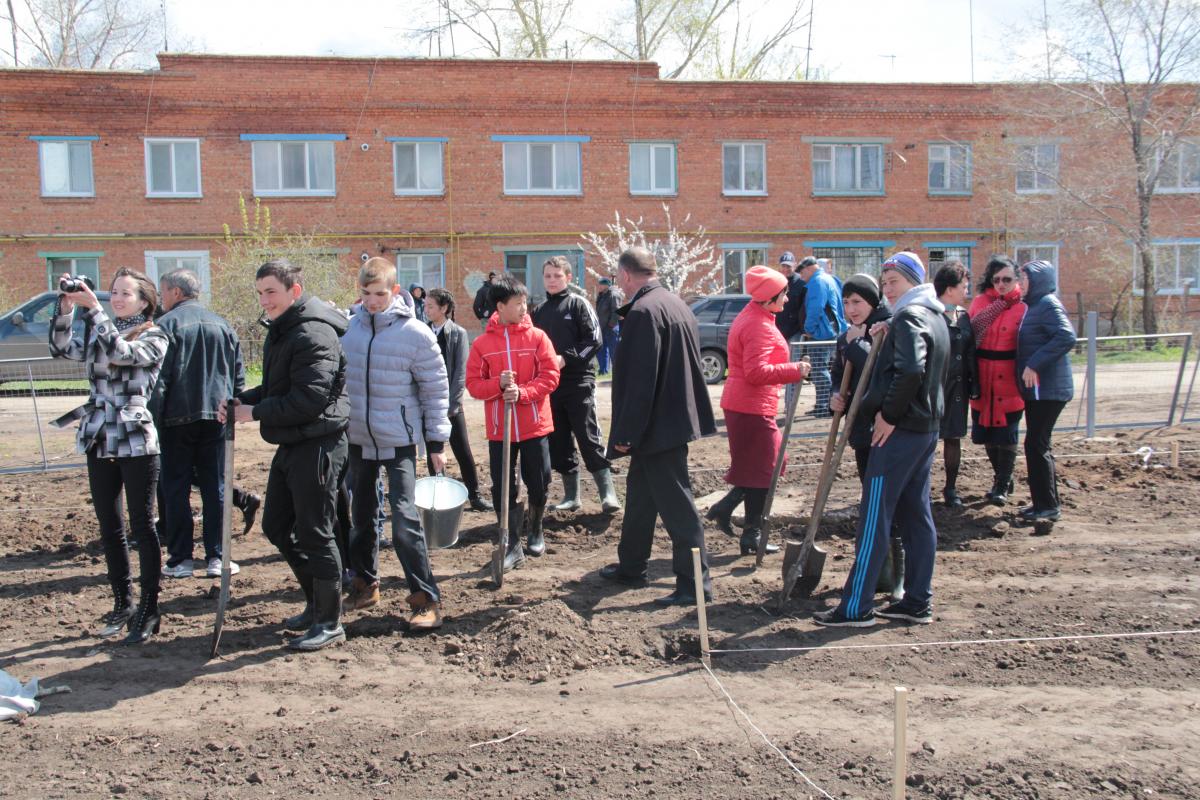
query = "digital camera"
x=74 y=283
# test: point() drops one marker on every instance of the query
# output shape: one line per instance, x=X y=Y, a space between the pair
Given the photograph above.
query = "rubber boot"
x=897 y=569
x=327 y=617
x=748 y=543
x=304 y=620
x=722 y=511
x=570 y=500
x=609 y=503
x=145 y=621
x=514 y=557
x=886 y=583
x=1006 y=461
x=536 y=542
x=477 y=502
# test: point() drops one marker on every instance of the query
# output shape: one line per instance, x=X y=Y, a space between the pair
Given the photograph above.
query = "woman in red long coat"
x=758 y=365
x=996 y=314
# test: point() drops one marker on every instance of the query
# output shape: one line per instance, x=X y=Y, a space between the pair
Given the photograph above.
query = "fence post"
x=37 y=418
x=1093 y=323
x=1187 y=401
x=1187 y=346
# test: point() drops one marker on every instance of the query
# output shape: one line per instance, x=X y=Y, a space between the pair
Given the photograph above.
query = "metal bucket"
x=440 y=501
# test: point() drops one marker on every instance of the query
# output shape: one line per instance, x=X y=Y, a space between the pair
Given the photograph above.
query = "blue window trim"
x=48 y=255
x=442 y=139
x=64 y=138
x=929 y=245
x=1174 y=240
x=539 y=138
x=293 y=137
x=861 y=243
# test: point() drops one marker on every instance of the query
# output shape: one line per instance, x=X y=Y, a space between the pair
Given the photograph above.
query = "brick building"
x=456 y=167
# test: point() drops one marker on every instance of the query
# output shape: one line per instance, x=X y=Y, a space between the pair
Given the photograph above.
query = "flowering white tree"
x=686 y=260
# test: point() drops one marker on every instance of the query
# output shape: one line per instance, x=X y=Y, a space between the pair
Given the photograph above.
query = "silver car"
x=25 y=333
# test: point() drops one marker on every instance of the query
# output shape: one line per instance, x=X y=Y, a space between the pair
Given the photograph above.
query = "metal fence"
x=34 y=392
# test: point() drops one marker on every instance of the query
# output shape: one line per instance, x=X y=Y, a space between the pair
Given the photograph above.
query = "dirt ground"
x=601 y=692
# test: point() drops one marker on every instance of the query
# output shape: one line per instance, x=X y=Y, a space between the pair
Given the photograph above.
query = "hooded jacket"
x=303 y=390
x=1046 y=337
x=823 y=316
x=758 y=363
x=396 y=379
x=571 y=324
x=906 y=383
x=527 y=351
x=855 y=354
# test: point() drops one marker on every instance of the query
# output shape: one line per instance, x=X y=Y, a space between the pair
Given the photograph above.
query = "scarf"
x=131 y=327
x=1000 y=303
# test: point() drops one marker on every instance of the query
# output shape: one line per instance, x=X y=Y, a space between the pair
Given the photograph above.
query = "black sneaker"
x=834 y=618
x=918 y=616
x=612 y=572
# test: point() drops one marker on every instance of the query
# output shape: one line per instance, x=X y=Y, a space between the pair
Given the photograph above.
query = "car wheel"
x=712 y=366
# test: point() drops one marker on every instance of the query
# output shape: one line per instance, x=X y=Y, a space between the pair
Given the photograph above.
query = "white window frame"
x=419 y=145
x=743 y=191
x=554 y=167
x=1177 y=288
x=281 y=192
x=53 y=274
x=419 y=255
x=656 y=149
x=42 y=141
x=1037 y=169
x=173 y=142
x=949 y=150
x=1035 y=246
x=1193 y=144
x=857 y=191
x=203 y=271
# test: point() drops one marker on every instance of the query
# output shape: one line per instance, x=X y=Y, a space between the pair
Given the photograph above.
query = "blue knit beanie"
x=907 y=264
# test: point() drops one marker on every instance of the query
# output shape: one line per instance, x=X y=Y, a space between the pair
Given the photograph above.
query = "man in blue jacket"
x=824 y=321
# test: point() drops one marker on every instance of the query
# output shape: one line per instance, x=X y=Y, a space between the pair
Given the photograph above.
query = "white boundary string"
x=1014 y=640
x=750 y=722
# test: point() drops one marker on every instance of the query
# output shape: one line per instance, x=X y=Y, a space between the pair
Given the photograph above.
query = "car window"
x=732 y=309
x=42 y=312
x=710 y=311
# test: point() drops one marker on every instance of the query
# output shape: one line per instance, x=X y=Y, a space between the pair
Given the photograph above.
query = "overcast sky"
x=853 y=40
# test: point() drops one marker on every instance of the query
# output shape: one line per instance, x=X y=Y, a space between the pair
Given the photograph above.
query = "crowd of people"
x=351 y=399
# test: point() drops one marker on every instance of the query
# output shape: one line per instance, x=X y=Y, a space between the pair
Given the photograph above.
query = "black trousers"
x=658 y=485
x=1040 y=416
x=574 y=410
x=460 y=445
x=192 y=453
x=535 y=469
x=300 y=510
x=138 y=476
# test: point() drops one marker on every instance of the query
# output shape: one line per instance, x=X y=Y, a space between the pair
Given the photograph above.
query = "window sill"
x=509 y=193
x=873 y=193
x=1037 y=191
x=1189 y=190
x=161 y=196
x=727 y=193
x=949 y=193
x=91 y=196
x=406 y=193
x=672 y=193
x=296 y=196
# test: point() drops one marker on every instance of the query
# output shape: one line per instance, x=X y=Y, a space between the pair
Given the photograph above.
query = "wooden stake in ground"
x=900 y=745
x=1174 y=455
x=701 y=614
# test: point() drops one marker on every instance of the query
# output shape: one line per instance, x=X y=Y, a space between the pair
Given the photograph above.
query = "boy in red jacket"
x=514 y=362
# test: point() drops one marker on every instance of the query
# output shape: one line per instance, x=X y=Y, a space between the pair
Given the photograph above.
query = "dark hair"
x=505 y=288
x=559 y=262
x=145 y=288
x=281 y=270
x=995 y=264
x=444 y=299
x=951 y=274
x=637 y=261
x=491 y=275
x=806 y=262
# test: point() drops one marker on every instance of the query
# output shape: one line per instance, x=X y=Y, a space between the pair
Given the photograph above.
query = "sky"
x=853 y=40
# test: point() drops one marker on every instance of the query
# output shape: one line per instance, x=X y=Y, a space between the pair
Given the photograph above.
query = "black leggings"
x=138 y=475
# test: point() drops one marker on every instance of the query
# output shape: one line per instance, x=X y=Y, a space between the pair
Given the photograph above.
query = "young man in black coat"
x=660 y=404
x=483 y=305
x=302 y=406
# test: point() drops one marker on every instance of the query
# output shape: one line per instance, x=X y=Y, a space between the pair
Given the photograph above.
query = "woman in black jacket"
x=951 y=283
x=452 y=340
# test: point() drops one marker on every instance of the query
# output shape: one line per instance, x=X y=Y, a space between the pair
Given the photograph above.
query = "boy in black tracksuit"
x=569 y=321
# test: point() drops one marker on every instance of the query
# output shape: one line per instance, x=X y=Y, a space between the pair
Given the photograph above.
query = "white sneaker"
x=214 y=568
x=183 y=569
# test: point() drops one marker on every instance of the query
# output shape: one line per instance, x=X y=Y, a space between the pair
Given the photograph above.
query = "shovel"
x=803 y=563
x=226 y=534
x=505 y=477
x=765 y=532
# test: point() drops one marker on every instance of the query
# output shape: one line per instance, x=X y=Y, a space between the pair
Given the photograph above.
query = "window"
x=652 y=168
x=708 y=311
x=545 y=165
x=1037 y=168
x=173 y=168
x=1025 y=253
x=1180 y=172
x=1176 y=265
x=847 y=261
x=82 y=264
x=293 y=164
x=160 y=262
x=847 y=168
x=66 y=165
x=417 y=166
x=427 y=270
x=744 y=167
x=949 y=169
x=737 y=261
x=526 y=266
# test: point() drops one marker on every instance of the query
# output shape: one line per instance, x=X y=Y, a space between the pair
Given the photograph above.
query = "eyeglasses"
x=1002 y=279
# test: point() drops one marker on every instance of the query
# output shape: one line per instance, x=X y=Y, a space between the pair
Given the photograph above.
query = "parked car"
x=715 y=314
x=25 y=333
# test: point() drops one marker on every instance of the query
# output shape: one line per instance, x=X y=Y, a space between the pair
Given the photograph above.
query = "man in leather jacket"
x=905 y=398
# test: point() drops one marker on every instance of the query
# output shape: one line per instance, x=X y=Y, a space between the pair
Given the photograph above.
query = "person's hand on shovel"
x=508 y=385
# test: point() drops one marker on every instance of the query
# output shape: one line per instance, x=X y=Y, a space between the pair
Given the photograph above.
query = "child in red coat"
x=514 y=362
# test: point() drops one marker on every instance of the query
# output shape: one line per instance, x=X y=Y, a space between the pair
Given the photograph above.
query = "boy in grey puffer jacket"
x=399 y=396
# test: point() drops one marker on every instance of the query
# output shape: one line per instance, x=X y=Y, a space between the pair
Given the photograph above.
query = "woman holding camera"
x=123 y=357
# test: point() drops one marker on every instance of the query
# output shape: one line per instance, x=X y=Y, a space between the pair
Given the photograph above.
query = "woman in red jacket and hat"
x=758 y=365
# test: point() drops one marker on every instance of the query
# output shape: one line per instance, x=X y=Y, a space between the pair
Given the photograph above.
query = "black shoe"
x=1045 y=515
x=748 y=543
x=833 y=618
x=951 y=499
x=722 y=511
x=145 y=622
x=327 y=615
x=678 y=598
x=304 y=620
x=612 y=572
x=478 y=503
x=1027 y=512
x=919 y=616
x=250 y=508
x=116 y=620
x=536 y=541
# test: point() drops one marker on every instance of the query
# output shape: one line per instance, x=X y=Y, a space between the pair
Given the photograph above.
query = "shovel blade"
x=810 y=572
x=802 y=568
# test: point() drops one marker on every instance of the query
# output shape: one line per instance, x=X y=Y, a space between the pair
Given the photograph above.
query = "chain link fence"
x=33 y=393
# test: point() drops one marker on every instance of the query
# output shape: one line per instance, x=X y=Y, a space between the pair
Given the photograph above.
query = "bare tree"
x=503 y=28
x=651 y=29
x=736 y=51
x=84 y=34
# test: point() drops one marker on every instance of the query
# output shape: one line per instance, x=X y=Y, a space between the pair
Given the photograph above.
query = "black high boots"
x=304 y=620
x=146 y=620
x=514 y=556
x=327 y=617
x=1006 y=462
x=536 y=542
x=722 y=511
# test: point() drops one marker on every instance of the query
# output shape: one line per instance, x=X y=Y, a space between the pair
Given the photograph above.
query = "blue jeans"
x=407 y=536
x=608 y=348
x=195 y=451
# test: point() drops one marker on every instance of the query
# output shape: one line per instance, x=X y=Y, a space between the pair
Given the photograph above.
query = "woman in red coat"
x=758 y=366
x=996 y=314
